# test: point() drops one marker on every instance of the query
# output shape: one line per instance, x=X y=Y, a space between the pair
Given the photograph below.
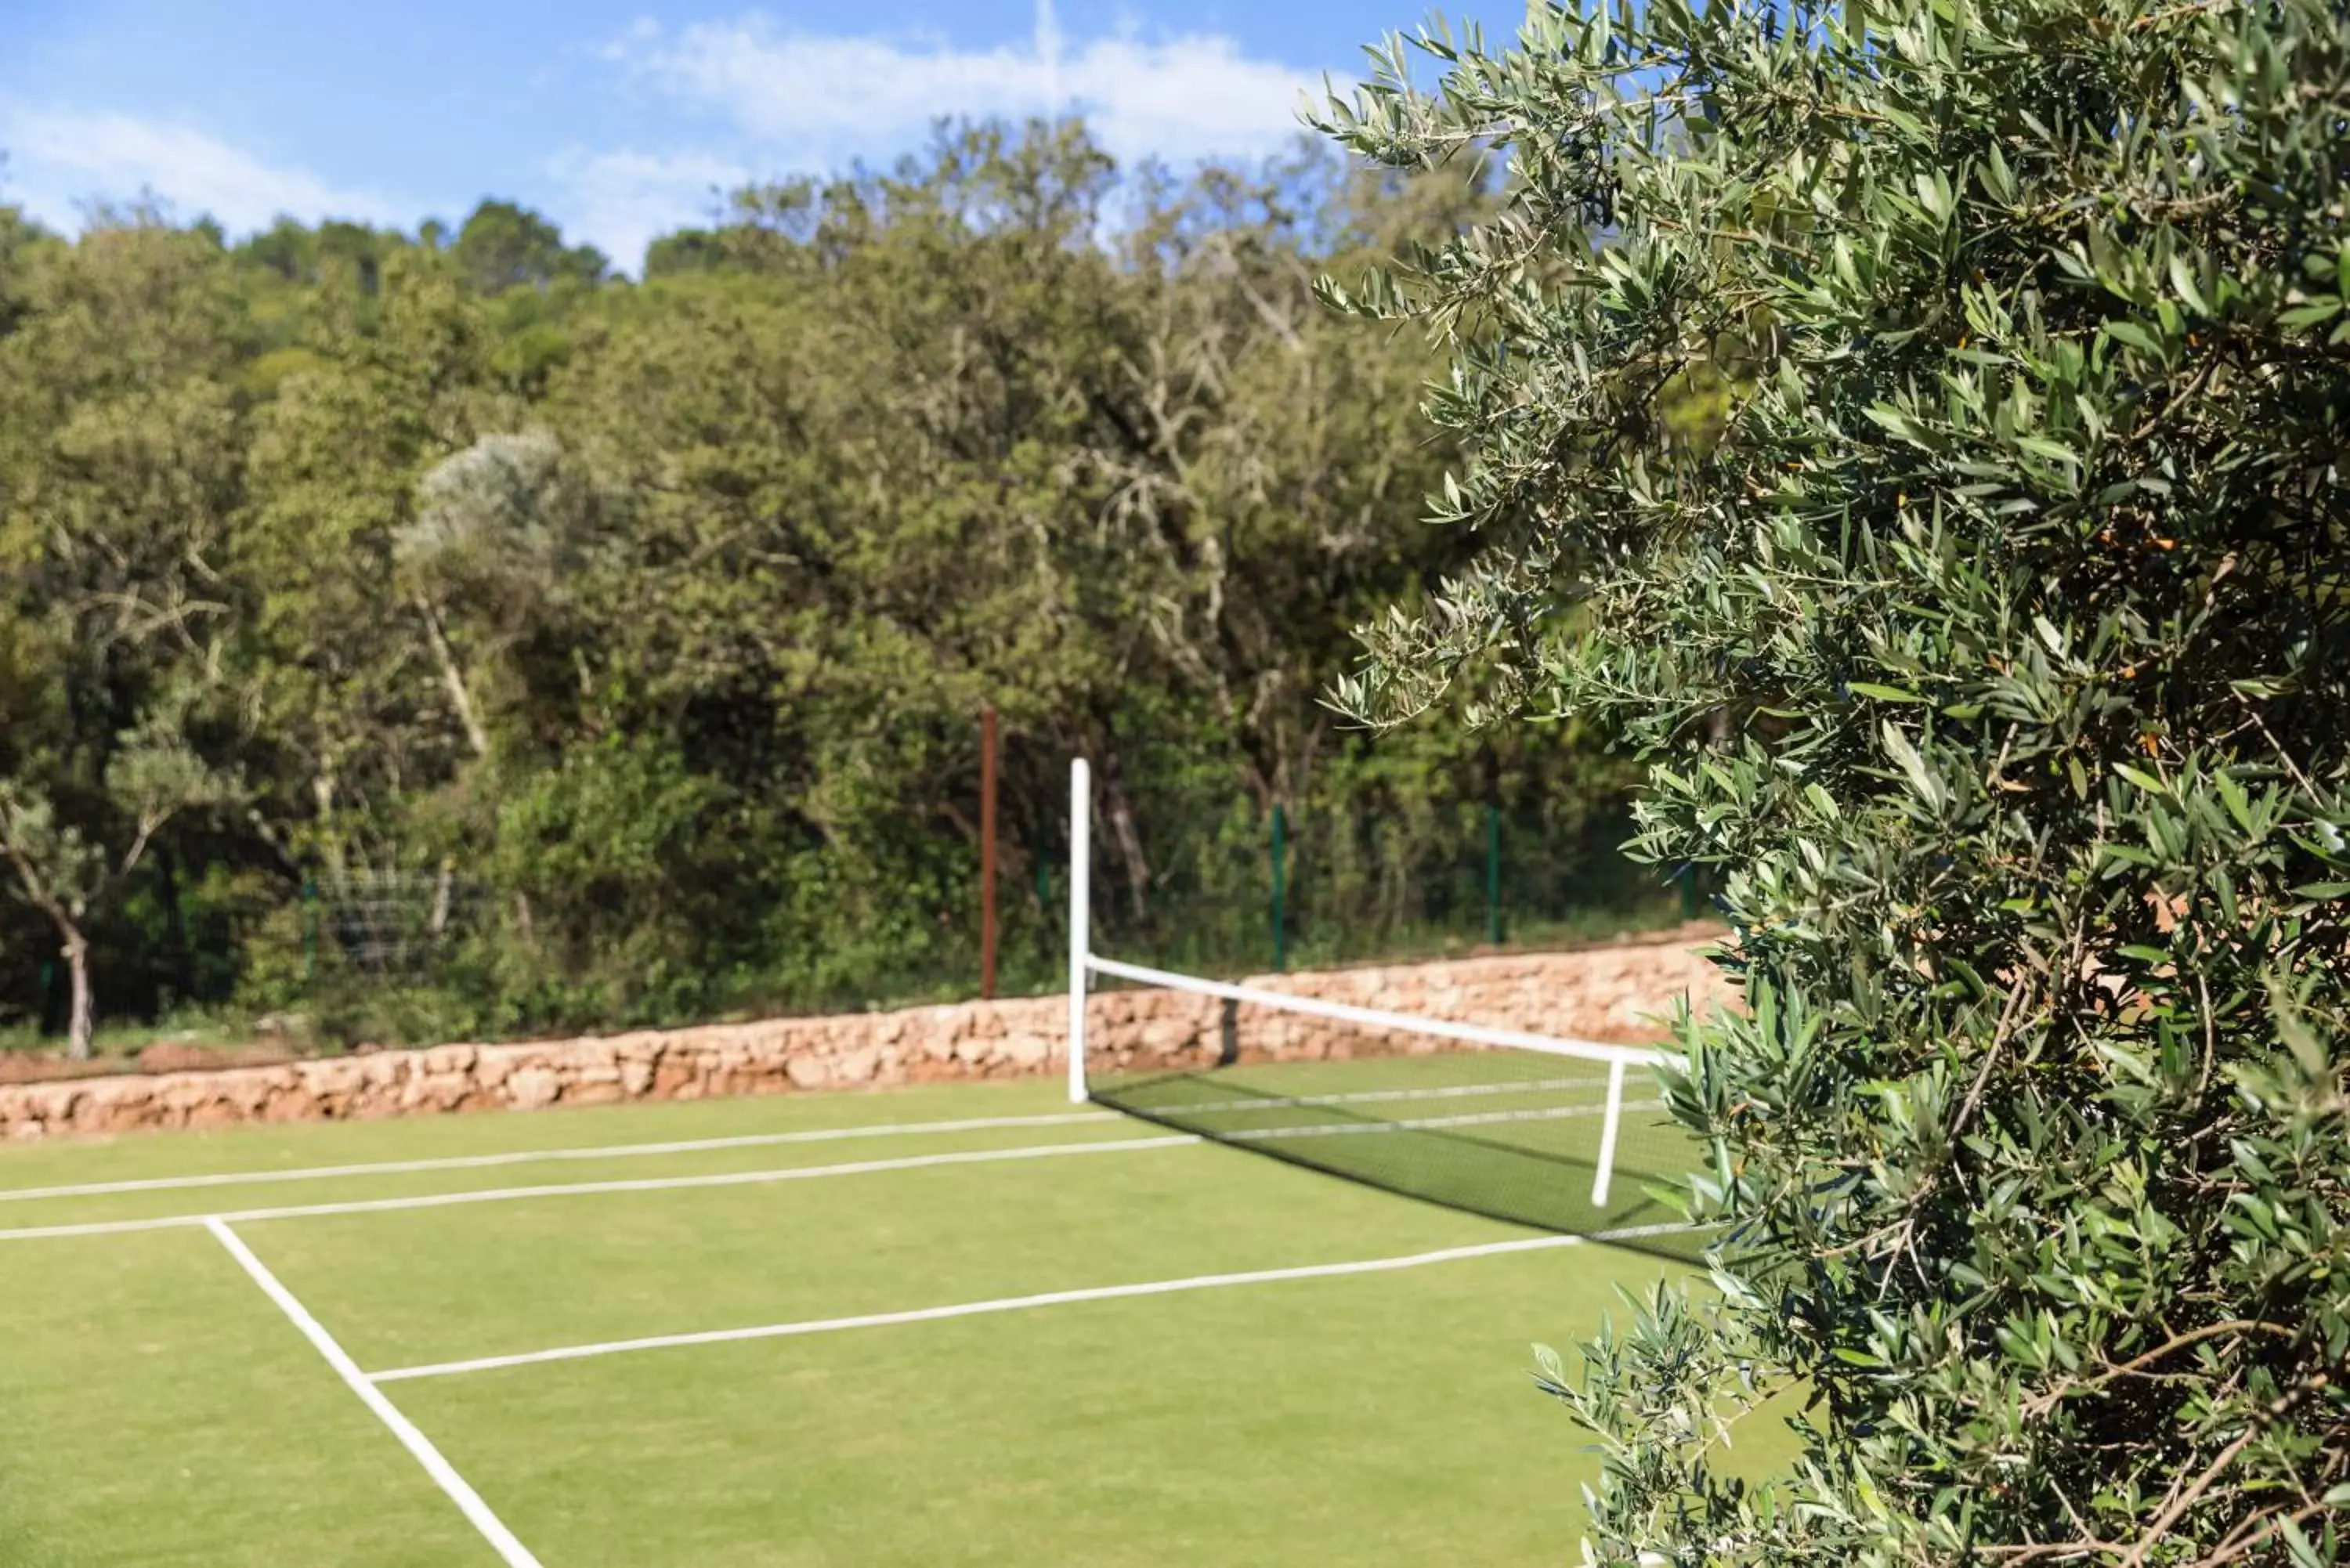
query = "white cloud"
x=61 y=161
x=793 y=101
x=820 y=98
x=620 y=202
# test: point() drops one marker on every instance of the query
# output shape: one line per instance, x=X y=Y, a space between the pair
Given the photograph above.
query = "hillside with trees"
x=441 y=634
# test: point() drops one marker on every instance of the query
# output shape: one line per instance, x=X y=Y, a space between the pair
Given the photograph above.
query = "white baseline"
x=539 y=1155
x=744 y=1140
x=1021 y=1303
x=593 y=1189
x=788 y=1173
x=444 y=1475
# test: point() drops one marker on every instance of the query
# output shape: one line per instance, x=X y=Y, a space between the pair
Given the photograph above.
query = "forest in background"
x=442 y=634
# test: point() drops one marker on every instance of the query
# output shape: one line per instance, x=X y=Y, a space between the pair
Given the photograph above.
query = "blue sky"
x=618 y=117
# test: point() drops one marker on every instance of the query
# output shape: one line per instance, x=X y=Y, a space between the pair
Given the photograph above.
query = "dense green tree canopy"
x=619 y=646
x=501 y=246
x=1990 y=639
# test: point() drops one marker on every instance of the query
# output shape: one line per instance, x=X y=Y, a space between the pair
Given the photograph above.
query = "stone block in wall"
x=439 y=1061
x=529 y=1088
x=339 y=1076
x=248 y=1092
x=290 y=1100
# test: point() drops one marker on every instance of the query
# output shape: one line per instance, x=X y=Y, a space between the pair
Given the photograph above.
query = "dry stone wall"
x=1614 y=993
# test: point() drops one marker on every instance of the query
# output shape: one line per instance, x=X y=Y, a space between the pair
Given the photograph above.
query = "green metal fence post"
x=1492 y=874
x=309 y=930
x=1688 y=892
x=1280 y=888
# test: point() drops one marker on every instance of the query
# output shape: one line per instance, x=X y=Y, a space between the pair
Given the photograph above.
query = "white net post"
x=1081 y=860
x=1608 y=1125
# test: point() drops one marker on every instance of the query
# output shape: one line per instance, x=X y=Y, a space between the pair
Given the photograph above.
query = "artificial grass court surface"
x=160 y=1409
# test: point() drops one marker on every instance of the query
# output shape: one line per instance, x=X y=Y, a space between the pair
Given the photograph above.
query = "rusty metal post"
x=987 y=852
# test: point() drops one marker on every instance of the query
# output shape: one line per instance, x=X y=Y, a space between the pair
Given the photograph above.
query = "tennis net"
x=1559 y=1135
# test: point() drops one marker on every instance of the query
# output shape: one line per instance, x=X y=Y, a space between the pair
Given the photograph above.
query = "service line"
x=1022 y=1303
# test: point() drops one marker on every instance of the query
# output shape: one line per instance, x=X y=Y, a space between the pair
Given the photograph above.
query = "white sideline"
x=539 y=1155
x=444 y=1475
x=1019 y=1304
x=585 y=1189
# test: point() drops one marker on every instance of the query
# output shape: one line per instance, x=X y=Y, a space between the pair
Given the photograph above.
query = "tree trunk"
x=80 y=1027
x=461 y=697
x=1129 y=848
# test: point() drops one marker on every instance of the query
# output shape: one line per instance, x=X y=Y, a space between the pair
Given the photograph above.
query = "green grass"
x=128 y=1039
x=160 y=1409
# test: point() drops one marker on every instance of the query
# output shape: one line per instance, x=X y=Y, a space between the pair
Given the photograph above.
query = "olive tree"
x=1988 y=638
x=121 y=447
x=66 y=864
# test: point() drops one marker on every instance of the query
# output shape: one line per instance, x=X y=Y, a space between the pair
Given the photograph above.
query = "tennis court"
x=965 y=1324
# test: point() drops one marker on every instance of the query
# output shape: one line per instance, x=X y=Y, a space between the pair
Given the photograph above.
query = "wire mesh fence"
x=1225 y=891
x=389 y=923
x=1313 y=889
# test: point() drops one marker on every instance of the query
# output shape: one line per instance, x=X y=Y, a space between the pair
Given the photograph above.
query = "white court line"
x=444 y=1475
x=584 y=1189
x=1020 y=1303
x=749 y=1140
x=534 y=1157
x=789 y=1173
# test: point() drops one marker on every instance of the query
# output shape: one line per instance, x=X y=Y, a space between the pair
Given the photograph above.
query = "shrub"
x=1984 y=630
